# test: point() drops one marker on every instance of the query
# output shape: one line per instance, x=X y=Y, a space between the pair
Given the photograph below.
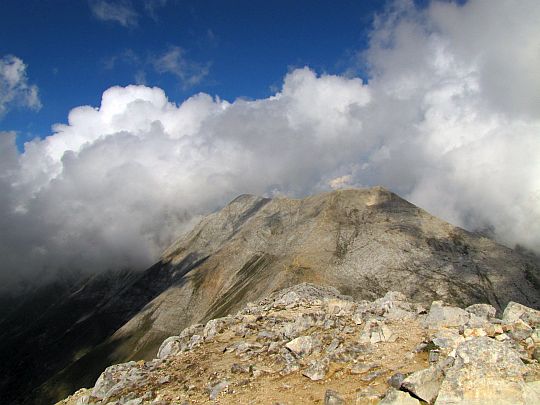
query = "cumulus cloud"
x=174 y=61
x=14 y=87
x=121 y=12
x=447 y=120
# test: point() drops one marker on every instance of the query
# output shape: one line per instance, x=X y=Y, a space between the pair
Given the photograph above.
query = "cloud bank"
x=14 y=87
x=450 y=119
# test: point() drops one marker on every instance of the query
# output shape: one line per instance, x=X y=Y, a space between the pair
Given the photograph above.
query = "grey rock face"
x=217 y=389
x=425 y=384
x=514 y=312
x=483 y=311
x=317 y=370
x=485 y=371
x=367 y=397
x=301 y=346
x=395 y=397
x=396 y=380
x=333 y=398
x=116 y=378
x=448 y=338
x=440 y=316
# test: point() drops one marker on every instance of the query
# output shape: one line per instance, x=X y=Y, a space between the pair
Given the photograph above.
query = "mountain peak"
x=360 y=242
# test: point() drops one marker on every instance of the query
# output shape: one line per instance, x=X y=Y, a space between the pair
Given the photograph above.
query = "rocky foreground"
x=309 y=344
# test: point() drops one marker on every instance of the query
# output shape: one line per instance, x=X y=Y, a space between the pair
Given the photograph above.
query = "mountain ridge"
x=364 y=242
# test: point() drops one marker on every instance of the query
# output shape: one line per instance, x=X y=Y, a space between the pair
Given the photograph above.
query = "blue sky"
x=246 y=47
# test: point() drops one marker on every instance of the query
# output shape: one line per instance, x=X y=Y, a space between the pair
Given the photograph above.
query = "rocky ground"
x=309 y=344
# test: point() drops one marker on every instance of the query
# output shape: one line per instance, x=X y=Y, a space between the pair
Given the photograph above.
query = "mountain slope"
x=362 y=242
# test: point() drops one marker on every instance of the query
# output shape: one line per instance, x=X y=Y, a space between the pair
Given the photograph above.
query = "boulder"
x=395 y=397
x=301 y=346
x=484 y=311
x=170 y=346
x=317 y=370
x=441 y=316
x=396 y=380
x=520 y=330
x=484 y=371
x=333 y=398
x=215 y=326
x=117 y=378
x=425 y=384
x=217 y=389
x=447 y=339
x=515 y=311
x=367 y=397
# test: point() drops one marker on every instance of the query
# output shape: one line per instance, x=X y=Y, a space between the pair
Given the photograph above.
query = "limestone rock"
x=396 y=380
x=301 y=346
x=367 y=397
x=484 y=371
x=395 y=397
x=447 y=339
x=333 y=398
x=215 y=326
x=217 y=389
x=441 y=316
x=484 y=311
x=519 y=330
x=117 y=377
x=515 y=311
x=317 y=370
x=425 y=384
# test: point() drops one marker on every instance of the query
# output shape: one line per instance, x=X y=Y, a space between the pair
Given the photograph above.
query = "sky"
x=122 y=123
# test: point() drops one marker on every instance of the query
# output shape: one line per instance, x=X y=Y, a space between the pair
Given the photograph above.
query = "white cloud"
x=117 y=183
x=152 y=6
x=121 y=12
x=174 y=61
x=14 y=87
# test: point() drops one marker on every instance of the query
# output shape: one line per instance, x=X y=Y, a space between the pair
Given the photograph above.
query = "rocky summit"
x=310 y=344
x=362 y=242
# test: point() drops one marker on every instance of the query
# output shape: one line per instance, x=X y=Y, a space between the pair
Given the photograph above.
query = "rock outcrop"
x=310 y=344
